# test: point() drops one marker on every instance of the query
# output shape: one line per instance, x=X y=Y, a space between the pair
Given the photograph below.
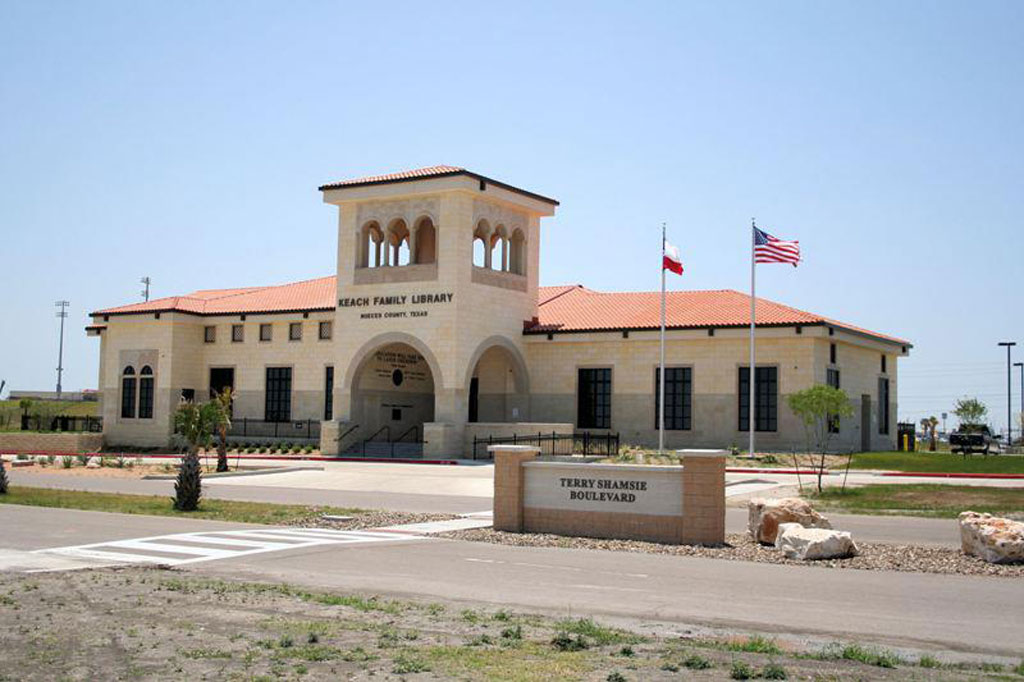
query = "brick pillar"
x=703 y=496
x=508 y=484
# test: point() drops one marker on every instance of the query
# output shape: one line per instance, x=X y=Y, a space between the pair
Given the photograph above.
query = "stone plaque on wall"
x=648 y=490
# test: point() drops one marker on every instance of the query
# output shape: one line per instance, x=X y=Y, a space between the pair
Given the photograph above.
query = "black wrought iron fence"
x=61 y=423
x=559 y=444
x=308 y=429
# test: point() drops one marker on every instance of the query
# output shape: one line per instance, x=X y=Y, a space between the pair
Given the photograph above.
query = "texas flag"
x=671 y=260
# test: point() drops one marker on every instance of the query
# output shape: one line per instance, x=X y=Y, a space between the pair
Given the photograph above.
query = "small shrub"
x=121 y=461
x=616 y=676
x=21 y=458
x=286 y=642
x=563 y=641
x=51 y=459
x=927 y=661
x=308 y=449
x=756 y=644
x=480 y=640
x=668 y=666
x=1019 y=668
x=992 y=667
x=697 y=662
x=313 y=638
x=67 y=461
x=741 y=671
x=774 y=671
x=512 y=634
x=627 y=651
x=406 y=664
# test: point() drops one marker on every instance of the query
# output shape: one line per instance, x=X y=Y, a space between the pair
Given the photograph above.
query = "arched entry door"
x=393 y=394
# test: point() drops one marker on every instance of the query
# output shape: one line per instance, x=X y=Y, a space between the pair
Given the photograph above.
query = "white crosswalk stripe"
x=191 y=548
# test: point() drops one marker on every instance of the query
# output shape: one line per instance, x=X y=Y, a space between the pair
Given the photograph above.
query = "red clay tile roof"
x=566 y=308
x=428 y=172
x=578 y=309
x=425 y=173
x=313 y=294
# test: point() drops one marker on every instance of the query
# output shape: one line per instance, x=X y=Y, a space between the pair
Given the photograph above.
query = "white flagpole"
x=661 y=370
x=753 y=373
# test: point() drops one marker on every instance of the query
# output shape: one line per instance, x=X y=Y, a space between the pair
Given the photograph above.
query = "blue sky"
x=185 y=141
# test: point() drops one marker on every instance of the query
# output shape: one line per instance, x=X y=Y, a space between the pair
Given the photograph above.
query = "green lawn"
x=939 y=462
x=10 y=413
x=943 y=501
x=215 y=510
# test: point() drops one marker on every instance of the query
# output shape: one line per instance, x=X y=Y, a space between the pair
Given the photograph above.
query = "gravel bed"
x=374 y=518
x=739 y=547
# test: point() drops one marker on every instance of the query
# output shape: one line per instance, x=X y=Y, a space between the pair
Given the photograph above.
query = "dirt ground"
x=126 y=469
x=157 y=624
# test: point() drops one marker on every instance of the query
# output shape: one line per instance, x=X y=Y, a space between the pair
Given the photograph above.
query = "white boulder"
x=994 y=539
x=93 y=463
x=809 y=544
x=766 y=515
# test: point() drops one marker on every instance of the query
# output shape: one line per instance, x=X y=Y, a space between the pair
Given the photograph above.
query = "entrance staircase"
x=380 y=445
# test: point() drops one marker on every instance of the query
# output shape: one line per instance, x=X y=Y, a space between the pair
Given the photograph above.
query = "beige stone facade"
x=428 y=333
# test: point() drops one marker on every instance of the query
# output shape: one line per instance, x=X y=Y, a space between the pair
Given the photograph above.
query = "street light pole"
x=1021 y=365
x=62 y=314
x=1009 y=393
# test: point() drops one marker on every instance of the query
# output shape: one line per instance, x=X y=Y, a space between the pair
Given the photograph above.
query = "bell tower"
x=437 y=274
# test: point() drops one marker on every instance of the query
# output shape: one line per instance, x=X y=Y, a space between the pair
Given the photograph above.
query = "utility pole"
x=145 y=292
x=62 y=314
x=1009 y=393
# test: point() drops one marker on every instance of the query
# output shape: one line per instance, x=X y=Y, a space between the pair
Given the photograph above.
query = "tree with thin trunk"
x=820 y=408
x=931 y=423
x=971 y=412
x=223 y=402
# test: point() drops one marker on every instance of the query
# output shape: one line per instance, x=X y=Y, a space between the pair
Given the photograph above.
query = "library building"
x=434 y=335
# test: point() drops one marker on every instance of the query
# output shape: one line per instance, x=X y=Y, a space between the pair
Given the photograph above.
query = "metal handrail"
x=347 y=431
x=415 y=428
x=378 y=432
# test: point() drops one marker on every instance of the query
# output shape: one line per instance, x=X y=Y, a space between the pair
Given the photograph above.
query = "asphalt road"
x=889 y=529
x=958 y=613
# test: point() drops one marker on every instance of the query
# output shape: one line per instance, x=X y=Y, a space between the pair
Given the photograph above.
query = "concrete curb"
x=230 y=474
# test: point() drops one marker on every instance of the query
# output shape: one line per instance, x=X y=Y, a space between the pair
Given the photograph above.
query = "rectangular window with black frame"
x=328 y=393
x=278 y=405
x=766 y=399
x=678 y=398
x=594 y=398
x=325 y=330
x=832 y=379
x=295 y=331
x=883 y=406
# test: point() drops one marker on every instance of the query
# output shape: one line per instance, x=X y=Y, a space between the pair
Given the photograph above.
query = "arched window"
x=517 y=253
x=371 y=240
x=499 y=249
x=426 y=242
x=398 y=242
x=481 y=254
x=146 y=392
x=128 y=382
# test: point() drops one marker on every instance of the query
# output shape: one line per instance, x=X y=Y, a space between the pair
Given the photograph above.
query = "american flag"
x=768 y=249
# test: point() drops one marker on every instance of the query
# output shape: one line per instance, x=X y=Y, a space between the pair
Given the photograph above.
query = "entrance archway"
x=498 y=385
x=392 y=392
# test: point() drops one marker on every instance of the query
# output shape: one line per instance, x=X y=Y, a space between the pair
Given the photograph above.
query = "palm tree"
x=196 y=424
x=223 y=402
x=933 y=424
